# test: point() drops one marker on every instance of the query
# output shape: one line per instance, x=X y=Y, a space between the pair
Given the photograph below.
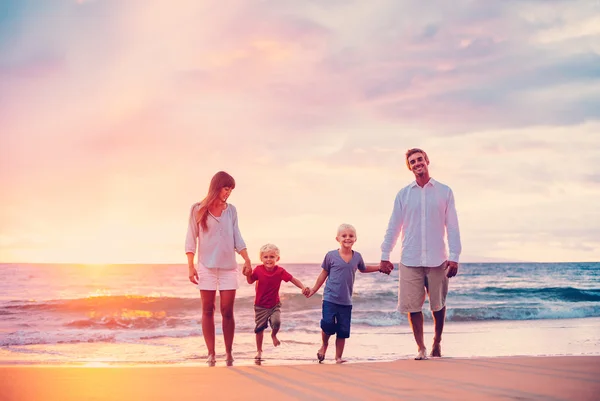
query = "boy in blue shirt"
x=339 y=268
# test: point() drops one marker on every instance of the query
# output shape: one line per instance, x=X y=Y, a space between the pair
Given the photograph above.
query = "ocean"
x=150 y=314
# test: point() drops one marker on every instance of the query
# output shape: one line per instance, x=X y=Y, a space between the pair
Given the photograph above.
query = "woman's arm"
x=192 y=272
x=191 y=239
x=247 y=270
x=191 y=244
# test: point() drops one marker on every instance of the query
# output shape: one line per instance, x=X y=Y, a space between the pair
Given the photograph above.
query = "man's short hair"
x=411 y=152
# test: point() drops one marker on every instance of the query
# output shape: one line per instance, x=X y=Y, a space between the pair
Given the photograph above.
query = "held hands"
x=452 y=268
x=310 y=293
x=386 y=267
x=306 y=292
x=247 y=270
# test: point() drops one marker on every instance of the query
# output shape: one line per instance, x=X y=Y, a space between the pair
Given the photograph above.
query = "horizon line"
x=282 y=264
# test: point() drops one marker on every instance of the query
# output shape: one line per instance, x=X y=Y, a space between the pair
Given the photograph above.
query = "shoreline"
x=270 y=363
x=538 y=378
x=462 y=340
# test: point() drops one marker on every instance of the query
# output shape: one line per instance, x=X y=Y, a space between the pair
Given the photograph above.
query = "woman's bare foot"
x=258 y=356
x=340 y=360
x=276 y=341
x=436 y=351
x=321 y=353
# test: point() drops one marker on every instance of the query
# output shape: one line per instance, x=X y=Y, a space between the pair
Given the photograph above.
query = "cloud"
x=593 y=178
x=116 y=114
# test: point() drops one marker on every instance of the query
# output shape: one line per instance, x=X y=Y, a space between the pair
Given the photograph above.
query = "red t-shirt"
x=268 y=283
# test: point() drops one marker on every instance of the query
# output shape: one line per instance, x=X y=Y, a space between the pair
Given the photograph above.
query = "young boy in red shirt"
x=267 y=304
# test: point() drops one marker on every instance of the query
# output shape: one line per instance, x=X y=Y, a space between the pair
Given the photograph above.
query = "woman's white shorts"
x=216 y=278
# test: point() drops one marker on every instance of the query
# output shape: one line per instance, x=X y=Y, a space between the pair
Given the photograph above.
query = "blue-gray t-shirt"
x=340 y=278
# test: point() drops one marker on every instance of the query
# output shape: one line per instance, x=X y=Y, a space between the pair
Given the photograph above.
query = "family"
x=424 y=213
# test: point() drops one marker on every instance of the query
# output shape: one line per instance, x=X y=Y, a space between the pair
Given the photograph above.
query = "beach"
x=133 y=332
x=510 y=378
x=150 y=314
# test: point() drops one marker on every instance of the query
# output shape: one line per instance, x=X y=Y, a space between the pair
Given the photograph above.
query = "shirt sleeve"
x=326 y=265
x=393 y=230
x=238 y=241
x=361 y=263
x=191 y=240
x=286 y=276
x=452 y=230
x=254 y=275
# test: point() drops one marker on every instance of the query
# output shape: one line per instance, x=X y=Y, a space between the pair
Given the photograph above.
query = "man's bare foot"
x=436 y=351
x=229 y=358
x=258 y=356
x=276 y=341
x=340 y=360
x=422 y=355
x=321 y=353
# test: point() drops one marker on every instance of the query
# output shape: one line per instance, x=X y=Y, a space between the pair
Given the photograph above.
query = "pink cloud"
x=111 y=112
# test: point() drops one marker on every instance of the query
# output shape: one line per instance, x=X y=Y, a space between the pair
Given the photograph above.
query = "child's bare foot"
x=276 y=341
x=258 y=356
x=229 y=358
x=211 y=360
x=321 y=353
x=340 y=360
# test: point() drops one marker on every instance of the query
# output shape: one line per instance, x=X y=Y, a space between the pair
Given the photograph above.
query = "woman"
x=213 y=231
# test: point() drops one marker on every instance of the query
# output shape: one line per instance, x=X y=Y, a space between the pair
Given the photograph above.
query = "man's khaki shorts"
x=412 y=291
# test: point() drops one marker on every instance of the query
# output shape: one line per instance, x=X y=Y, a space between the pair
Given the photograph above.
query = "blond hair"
x=268 y=248
x=345 y=226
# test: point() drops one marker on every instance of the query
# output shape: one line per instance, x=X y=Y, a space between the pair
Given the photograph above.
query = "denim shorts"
x=336 y=319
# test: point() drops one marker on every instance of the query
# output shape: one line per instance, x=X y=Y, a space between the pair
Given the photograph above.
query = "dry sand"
x=513 y=378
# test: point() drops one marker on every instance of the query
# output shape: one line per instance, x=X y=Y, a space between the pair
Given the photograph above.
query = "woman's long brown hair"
x=218 y=182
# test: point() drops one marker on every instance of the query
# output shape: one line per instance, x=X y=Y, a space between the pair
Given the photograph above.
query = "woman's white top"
x=217 y=245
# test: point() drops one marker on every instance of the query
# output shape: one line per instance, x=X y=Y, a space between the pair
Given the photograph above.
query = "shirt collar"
x=431 y=182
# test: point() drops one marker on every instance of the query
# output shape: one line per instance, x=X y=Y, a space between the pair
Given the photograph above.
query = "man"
x=424 y=212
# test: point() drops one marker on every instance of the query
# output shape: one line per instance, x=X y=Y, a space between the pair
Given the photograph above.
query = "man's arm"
x=393 y=230
x=391 y=236
x=453 y=233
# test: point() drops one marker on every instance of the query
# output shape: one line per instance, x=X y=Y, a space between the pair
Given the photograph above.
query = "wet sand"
x=522 y=378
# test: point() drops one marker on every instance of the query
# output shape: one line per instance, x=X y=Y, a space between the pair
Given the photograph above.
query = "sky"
x=114 y=116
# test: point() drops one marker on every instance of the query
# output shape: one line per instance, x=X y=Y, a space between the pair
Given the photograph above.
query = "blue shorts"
x=336 y=319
